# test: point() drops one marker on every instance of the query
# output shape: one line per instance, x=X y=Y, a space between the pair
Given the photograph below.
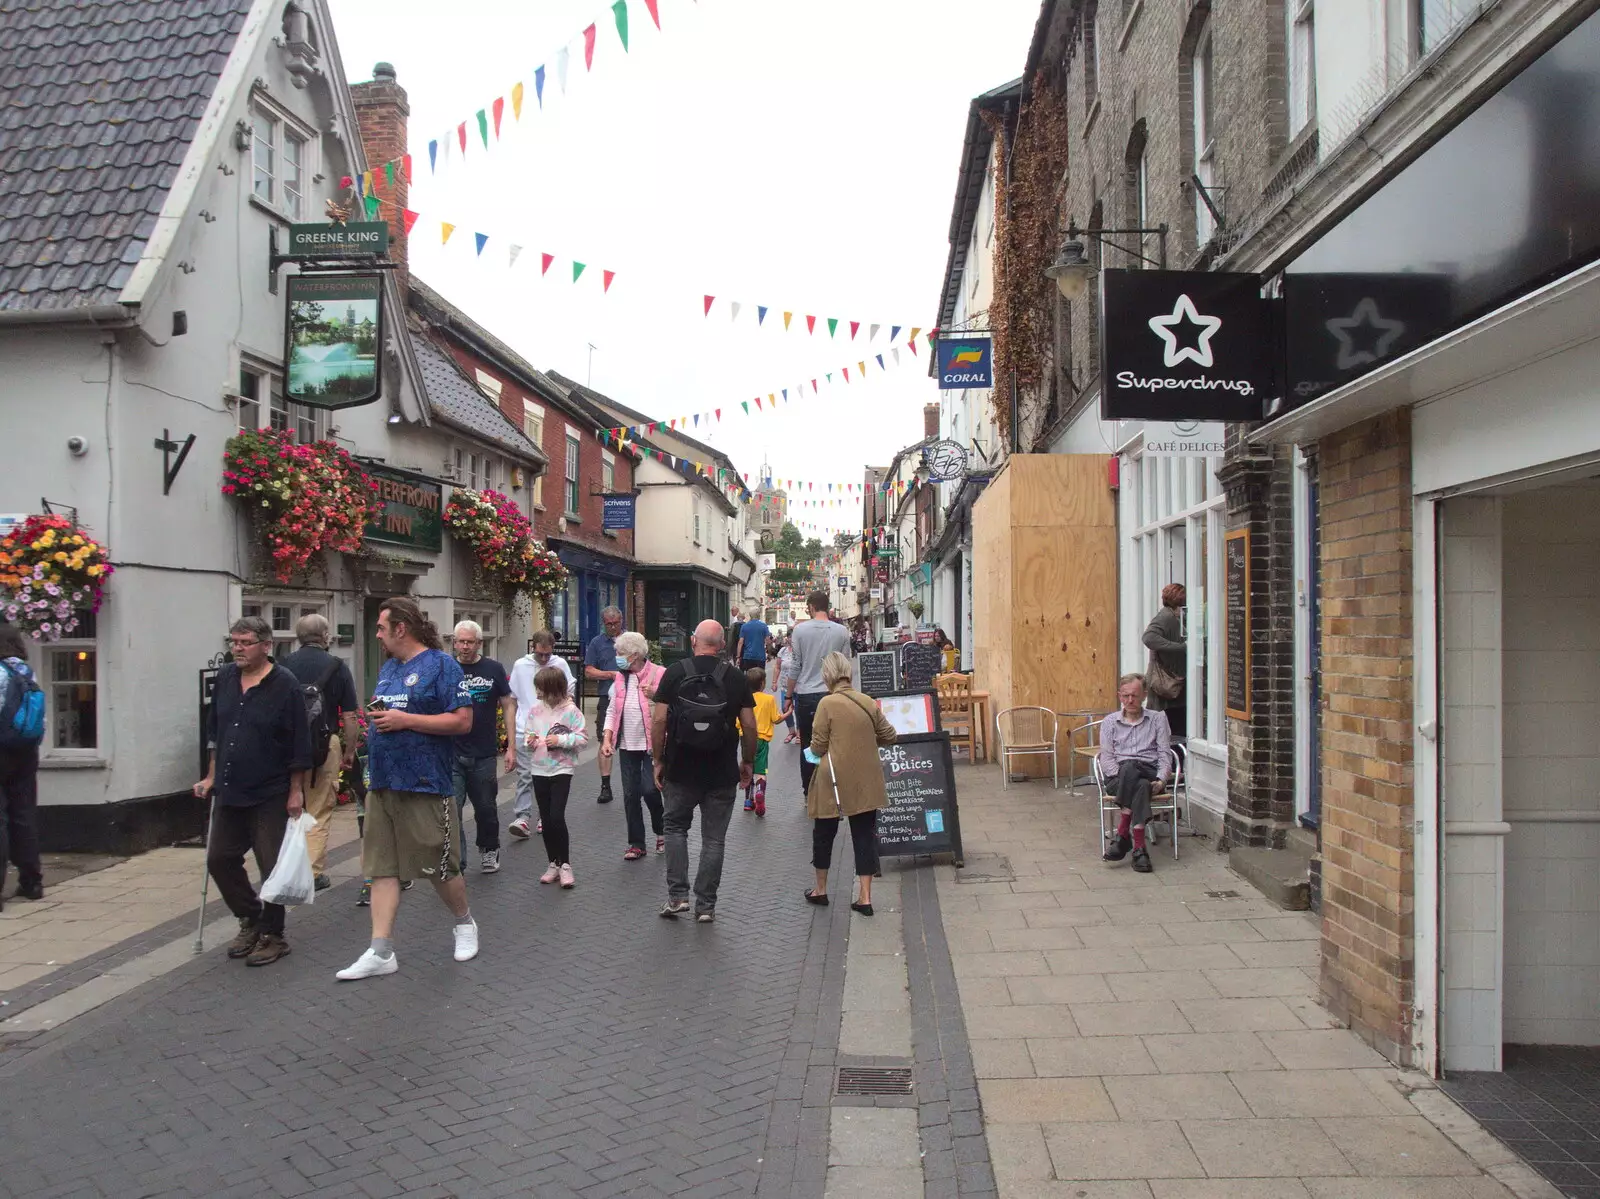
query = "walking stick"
x=205 y=878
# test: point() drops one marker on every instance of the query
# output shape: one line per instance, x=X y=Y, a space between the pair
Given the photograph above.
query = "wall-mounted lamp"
x=1072 y=269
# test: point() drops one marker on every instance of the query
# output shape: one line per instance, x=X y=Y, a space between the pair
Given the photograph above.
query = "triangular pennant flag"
x=761 y=314
x=538 y=85
x=515 y=250
x=829 y=376
x=896 y=353
x=912 y=336
x=734 y=308
x=697 y=425
x=388 y=174
x=833 y=325
x=620 y=8
x=547 y=260
x=433 y=156
x=912 y=346
x=785 y=395
x=447 y=142
x=745 y=404
x=862 y=366
x=366 y=184
x=405 y=161
x=813 y=387
x=516 y=104
x=588 y=48
x=709 y=301
x=811 y=324
x=483 y=127
x=498 y=108
x=577 y=269
x=846 y=372
x=461 y=132
x=372 y=207
x=447 y=229
x=880 y=363
x=607 y=277
x=482 y=240
x=854 y=325
x=719 y=414
x=758 y=403
x=894 y=332
x=787 y=317
x=872 y=333
x=563 y=58
x=654 y=15
x=410 y=219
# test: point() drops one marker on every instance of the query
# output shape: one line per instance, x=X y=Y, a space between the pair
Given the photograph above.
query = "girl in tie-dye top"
x=555 y=733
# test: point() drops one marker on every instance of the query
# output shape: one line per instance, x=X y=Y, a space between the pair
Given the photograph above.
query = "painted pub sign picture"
x=335 y=329
x=1183 y=346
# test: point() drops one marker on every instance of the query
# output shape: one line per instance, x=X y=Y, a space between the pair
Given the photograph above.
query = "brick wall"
x=1367 y=891
x=382 y=109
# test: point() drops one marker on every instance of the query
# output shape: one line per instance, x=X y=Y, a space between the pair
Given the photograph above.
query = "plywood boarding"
x=1070 y=490
x=991 y=591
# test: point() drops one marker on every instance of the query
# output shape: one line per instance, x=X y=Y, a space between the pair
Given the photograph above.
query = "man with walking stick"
x=261 y=752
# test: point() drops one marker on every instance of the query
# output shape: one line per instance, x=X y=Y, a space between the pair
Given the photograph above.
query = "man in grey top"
x=810 y=642
x=1135 y=751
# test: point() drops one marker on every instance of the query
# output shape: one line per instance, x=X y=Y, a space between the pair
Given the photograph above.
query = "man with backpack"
x=331 y=704
x=21 y=731
x=696 y=704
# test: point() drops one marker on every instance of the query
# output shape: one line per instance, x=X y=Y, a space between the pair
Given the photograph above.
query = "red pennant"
x=654 y=15
x=758 y=403
x=588 y=48
x=410 y=219
x=499 y=107
x=813 y=387
x=461 y=132
x=405 y=164
x=846 y=374
x=709 y=301
x=609 y=276
x=913 y=346
x=854 y=325
x=811 y=321
x=719 y=413
x=548 y=259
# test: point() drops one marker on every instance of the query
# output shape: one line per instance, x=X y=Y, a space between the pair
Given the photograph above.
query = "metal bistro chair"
x=956 y=713
x=1083 y=741
x=1170 y=800
x=1024 y=731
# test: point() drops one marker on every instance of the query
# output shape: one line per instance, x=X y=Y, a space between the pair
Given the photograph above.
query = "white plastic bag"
x=291 y=881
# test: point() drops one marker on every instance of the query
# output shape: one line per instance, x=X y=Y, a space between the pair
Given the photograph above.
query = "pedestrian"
x=1135 y=751
x=785 y=695
x=600 y=666
x=420 y=706
x=627 y=733
x=477 y=770
x=767 y=717
x=735 y=640
x=554 y=736
x=812 y=641
x=752 y=641
x=696 y=705
x=326 y=682
x=1169 y=660
x=260 y=739
x=19 y=765
x=541 y=653
x=849 y=784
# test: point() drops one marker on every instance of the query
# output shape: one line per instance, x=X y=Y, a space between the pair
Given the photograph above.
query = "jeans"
x=522 y=808
x=552 y=791
x=478 y=779
x=863 y=837
x=19 y=801
x=1131 y=786
x=639 y=783
x=716 y=804
x=805 y=711
x=236 y=831
x=783 y=702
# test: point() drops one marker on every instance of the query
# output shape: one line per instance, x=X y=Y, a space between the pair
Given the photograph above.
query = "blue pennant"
x=482 y=237
x=761 y=314
x=433 y=156
x=894 y=332
x=538 y=85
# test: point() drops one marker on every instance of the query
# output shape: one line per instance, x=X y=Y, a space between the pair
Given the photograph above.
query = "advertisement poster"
x=335 y=330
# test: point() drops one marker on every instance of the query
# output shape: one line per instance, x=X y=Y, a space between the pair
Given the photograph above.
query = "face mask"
x=622 y=663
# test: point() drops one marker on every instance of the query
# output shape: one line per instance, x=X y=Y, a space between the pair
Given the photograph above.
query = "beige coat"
x=848 y=730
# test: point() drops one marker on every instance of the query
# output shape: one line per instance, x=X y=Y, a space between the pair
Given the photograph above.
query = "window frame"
x=281 y=414
x=283 y=127
x=608 y=472
x=1091 y=54
x=1202 y=97
x=571 y=495
x=488 y=619
x=1300 y=64
x=49 y=751
x=299 y=603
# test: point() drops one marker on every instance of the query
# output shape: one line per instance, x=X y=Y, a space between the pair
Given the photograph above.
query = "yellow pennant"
x=787 y=317
x=448 y=229
x=915 y=329
x=516 y=100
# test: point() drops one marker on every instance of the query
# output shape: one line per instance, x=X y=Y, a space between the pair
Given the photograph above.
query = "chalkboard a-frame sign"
x=1237 y=614
x=922 y=816
x=878 y=673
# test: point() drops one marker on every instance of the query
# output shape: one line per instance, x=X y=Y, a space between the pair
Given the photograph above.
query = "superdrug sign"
x=1183 y=345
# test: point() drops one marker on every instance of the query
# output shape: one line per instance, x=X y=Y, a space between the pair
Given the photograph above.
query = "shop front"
x=676 y=601
x=595 y=582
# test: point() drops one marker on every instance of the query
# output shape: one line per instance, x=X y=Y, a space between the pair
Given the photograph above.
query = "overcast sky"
x=800 y=154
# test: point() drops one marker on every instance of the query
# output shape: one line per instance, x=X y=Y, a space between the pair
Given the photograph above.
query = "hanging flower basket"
x=50 y=571
x=305 y=498
x=502 y=543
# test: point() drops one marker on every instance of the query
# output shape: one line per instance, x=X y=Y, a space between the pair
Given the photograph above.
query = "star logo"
x=1377 y=335
x=1184 y=313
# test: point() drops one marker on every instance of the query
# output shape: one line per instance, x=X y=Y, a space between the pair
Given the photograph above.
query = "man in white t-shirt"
x=542 y=654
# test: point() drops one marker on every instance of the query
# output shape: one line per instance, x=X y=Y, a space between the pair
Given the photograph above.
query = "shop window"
x=572 y=495
x=71 y=675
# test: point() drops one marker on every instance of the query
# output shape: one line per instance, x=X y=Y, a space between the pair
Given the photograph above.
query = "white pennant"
x=735 y=306
x=873 y=335
x=448 y=138
x=897 y=355
x=515 y=250
x=563 y=57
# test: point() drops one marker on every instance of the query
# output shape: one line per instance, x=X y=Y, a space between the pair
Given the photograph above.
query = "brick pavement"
x=592 y=1049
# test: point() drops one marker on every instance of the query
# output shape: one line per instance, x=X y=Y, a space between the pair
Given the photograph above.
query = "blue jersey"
x=429 y=684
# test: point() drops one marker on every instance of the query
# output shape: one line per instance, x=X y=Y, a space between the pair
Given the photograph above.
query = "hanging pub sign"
x=966 y=362
x=616 y=511
x=1183 y=346
x=335 y=331
x=358 y=239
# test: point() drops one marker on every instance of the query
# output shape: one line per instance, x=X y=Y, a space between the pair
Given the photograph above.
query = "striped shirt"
x=1150 y=740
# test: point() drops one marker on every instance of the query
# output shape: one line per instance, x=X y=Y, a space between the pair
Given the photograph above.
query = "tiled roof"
x=98 y=102
x=456 y=400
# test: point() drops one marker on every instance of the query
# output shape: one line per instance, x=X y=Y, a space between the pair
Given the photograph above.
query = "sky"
x=798 y=154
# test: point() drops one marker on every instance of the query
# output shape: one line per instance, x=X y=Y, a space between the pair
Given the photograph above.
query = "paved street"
x=591 y=1049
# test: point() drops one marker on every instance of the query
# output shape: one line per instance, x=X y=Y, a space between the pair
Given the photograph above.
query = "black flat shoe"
x=33 y=890
x=1141 y=861
x=812 y=897
x=864 y=908
x=1119 y=850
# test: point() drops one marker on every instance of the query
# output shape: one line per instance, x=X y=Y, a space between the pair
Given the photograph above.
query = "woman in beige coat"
x=848 y=780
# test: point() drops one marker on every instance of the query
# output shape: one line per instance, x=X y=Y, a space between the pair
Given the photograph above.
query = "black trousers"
x=863 y=838
x=19 y=806
x=1177 y=713
x=1131 y=786
x=236 y=831
x=550 y=793
x=805 y=713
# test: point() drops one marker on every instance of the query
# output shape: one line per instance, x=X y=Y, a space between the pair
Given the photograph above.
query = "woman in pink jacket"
x=628 y=731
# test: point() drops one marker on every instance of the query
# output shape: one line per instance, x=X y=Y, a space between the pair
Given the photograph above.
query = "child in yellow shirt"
x=767 y=717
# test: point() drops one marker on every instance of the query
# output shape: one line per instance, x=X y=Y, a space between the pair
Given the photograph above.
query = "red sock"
x=1138 y=837
x=1122 y=825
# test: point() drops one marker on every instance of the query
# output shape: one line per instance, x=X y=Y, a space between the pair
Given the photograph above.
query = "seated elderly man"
x=1135 y=751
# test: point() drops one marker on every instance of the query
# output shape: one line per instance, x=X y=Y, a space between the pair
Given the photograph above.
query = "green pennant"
x=577 y=269
x=745 y=404
x=483 y=127
x=372 y=207
x=833 y=323
x=388 y=173
x=621 y=9
x=830 y=376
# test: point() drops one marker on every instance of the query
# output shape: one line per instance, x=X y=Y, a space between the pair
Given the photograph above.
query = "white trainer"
x=466 y=941
x=491 y=861
x=368 y=965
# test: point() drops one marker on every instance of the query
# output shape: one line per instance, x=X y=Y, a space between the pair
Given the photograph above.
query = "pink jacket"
x=649 y=679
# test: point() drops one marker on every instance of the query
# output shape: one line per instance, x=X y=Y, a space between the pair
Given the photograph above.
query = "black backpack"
x=315 y=697
x=700 y=722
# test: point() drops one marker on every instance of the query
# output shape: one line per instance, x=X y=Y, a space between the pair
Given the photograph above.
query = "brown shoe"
x=268 y=950
x=242 y=944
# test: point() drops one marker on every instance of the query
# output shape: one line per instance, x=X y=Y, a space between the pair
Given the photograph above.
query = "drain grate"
x=862 y=1080
x=1222 y=895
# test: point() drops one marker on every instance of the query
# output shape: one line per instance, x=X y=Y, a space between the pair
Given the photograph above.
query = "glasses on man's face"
x=243 y=642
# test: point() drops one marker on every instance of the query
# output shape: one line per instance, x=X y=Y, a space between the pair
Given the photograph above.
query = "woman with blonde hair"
x=848 y=781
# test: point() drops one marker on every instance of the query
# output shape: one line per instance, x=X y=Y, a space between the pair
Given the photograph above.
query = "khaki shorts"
x=409 y=835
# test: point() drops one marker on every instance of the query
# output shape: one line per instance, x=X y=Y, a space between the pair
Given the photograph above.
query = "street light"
x=1072 y=269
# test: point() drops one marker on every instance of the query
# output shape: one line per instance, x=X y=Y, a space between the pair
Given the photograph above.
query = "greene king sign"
x=361 y=239
x=1183 y=346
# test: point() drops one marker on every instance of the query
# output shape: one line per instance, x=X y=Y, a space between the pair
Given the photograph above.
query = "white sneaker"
x=466 y=941
x=519 y=828
x=491 y=861
x=368 y=965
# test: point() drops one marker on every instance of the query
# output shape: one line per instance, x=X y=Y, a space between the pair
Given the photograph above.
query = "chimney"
x=382 y=109
x=930 y=420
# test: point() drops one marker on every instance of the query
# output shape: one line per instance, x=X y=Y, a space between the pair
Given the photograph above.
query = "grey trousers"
x=716 y=805
x=1131 y=786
